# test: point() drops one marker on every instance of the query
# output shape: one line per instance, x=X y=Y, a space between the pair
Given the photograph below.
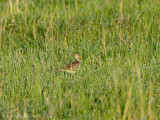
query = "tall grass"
x=119 y=42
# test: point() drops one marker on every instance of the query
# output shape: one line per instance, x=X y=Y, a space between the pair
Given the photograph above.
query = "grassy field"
x=119 y=77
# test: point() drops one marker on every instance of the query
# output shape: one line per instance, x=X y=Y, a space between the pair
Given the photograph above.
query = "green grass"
x=119 y=42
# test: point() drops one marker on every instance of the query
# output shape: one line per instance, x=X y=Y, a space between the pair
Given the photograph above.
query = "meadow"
x=119 y=41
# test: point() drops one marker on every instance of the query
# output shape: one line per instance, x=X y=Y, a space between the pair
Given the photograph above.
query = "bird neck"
x=77 y=59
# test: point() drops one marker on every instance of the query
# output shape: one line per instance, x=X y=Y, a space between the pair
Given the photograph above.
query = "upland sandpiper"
x=72 y=67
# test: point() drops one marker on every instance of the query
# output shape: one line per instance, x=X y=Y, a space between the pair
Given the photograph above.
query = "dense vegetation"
x=119 y=41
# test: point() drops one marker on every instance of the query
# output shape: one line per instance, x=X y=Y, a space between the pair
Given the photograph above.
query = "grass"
x=119 y=76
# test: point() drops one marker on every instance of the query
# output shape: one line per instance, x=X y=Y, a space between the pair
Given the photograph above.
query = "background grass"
x=119 y=42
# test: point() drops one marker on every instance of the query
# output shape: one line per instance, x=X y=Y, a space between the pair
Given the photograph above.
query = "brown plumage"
x=71 y=68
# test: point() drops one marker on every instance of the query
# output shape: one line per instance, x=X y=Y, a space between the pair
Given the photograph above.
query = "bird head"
x=76 y=56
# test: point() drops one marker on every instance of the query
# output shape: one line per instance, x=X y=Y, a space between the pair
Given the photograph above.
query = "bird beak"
x=80 y=56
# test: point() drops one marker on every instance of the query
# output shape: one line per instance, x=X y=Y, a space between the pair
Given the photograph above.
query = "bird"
x=72 y=67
